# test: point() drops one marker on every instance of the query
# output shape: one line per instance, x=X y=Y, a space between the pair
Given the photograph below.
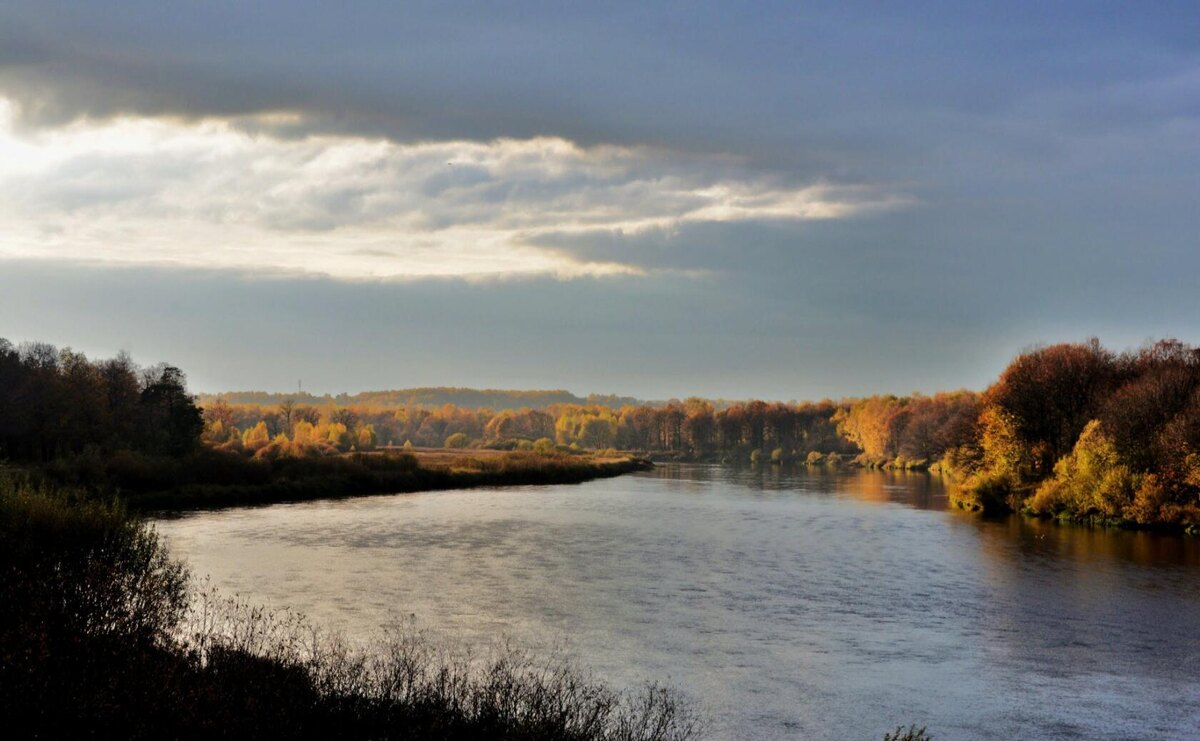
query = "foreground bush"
x=88 y=601
x=96 y=639
x=410 y=685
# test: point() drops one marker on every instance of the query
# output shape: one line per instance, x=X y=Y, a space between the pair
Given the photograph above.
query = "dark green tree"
x=172 y=422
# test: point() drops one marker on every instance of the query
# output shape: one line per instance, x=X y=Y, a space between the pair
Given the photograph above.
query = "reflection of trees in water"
x=1033 y=540
x=1067 y=601
x=1047 y=540
x=914 y=488
x=1052 y=600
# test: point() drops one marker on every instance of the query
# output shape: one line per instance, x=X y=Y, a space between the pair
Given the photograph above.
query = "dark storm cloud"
x=828 y=87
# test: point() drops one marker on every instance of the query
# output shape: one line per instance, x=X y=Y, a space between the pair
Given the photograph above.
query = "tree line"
x=694 y=427
x=57 y=403
x=1069 y=430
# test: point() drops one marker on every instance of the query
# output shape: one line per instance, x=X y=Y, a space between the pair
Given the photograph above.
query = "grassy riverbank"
x=211 y=478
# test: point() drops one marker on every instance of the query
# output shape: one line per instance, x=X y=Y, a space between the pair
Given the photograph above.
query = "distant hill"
x=497 y=399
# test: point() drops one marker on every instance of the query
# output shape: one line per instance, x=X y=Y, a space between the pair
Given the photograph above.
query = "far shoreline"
x=385 y=472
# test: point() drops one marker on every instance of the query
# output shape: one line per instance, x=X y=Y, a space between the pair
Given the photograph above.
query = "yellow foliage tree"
x=256 y=437
x=214 y=432
x=304 y=433
x=1091 y=480
x=366 y=437
x=867 y=424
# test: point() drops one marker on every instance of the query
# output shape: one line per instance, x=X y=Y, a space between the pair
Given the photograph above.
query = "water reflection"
x=790 y=600
x=931 y=492
x=914 y=488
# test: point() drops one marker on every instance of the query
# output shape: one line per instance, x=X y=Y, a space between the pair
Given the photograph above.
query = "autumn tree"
x=366 y=437
x=1163 y=379
x=256 y=437
x=599 y=431
x=173 y=423
x=1046 y=397
x=699 y=427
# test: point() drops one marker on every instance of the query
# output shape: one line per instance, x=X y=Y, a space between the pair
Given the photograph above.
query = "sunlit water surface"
x=785 y=602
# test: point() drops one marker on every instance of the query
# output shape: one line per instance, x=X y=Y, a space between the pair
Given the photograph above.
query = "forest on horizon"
x=1071 y=430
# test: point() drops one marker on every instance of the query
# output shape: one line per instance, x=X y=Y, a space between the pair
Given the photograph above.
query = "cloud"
x=852 y=194
x=210 y=193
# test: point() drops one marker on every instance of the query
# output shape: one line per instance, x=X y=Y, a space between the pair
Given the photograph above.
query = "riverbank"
x=996 y=499
x=385 y=472
x=756 y=456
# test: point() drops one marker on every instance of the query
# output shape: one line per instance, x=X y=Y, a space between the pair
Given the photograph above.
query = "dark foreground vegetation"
x=101 y=635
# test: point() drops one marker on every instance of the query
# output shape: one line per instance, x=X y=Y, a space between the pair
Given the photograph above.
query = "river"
x=787 y=602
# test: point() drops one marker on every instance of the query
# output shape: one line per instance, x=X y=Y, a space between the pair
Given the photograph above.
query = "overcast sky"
x=784 y=200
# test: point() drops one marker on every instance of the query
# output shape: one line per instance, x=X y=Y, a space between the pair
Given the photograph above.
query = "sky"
x=775 y=200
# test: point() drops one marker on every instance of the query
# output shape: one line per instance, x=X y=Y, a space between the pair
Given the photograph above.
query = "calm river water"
x=787 y=603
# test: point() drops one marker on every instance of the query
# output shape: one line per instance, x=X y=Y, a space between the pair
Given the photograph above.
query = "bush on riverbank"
x=1079 y=433
x=95 y=639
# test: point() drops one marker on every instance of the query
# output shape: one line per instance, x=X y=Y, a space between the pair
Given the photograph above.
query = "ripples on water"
x=786 y=601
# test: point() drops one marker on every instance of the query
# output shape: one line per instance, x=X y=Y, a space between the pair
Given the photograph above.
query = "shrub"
x=88 y=603
x=988 y=492
x=411 y=685
x=1149 y=502
x=912 y=733
x=82 y=566
x=1092 y=480
x=961 y=461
